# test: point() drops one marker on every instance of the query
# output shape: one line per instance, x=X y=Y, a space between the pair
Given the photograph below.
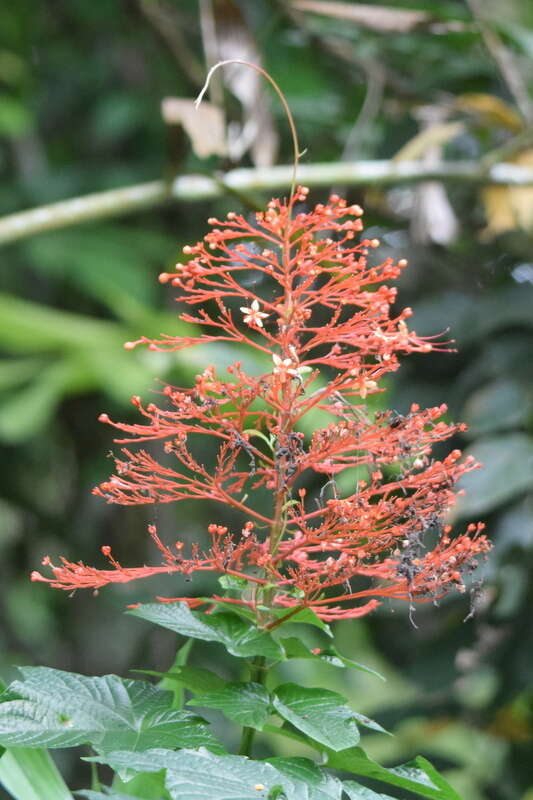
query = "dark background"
x=81 y=85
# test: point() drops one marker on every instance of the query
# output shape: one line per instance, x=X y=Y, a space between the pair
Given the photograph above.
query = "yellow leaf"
x=435 y=135
x=508 y=208
x=490 y=109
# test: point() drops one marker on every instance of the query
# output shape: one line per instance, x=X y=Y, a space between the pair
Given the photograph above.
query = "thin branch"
x=188 y=188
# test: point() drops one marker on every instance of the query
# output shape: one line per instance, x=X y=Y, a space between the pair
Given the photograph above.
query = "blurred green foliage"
x=81 y=85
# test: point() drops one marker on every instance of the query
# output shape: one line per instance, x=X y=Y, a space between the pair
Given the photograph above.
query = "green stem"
x=258 y=674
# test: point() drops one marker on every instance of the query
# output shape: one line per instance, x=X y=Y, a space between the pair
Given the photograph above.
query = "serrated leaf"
x=146 y=785
x=418 y=776
x=230 y=583
x=91 y=795
x=245 y=703
x=448 y=792
x=240 y=611
x=321 y=786
x=196 y=679
x=367 y=722
x=507 y=472
x=180 y=661
x=30 y=774
x=319 y=713
x=304 y=617
x=357 y=792
x=62 y=709
x=295 y=648
x=239 y=637
x=195 y=775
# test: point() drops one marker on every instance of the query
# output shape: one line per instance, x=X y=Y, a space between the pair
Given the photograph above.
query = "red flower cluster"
x=298 y=289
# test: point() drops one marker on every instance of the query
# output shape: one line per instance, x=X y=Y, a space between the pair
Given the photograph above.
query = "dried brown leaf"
x=204 y=125
x=378 y=18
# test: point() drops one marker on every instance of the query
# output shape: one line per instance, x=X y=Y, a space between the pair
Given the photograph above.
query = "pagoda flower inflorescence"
x=297 y=287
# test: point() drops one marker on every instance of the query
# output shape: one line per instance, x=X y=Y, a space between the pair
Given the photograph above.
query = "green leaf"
x=357 y=792
x=496 y=406
x=62 y=709
x=418 y=776
x=29 y=774
x=240 y=611
x=474 y=318
x=145 y=785
x=90 y=795
x=232 y=584
x=514 y=530
x=448 y=793
x=240 y=638
x=16 y=118
x=366 y=722
x=321 y=786
x=319 y=713
x=295 y=648
x=507 y=472
x=180 y=660
x=195 y=775
x=26 y=411
x=196 y=679
x=304 y=617
x=245 y=703
x=18 y=371
x=28 y=327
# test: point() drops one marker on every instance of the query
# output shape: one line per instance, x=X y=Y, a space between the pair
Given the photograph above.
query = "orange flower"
x=331 y=337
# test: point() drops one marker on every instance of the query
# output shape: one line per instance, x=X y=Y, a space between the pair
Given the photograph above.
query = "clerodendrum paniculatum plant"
x=322 y=315
x=297 y=286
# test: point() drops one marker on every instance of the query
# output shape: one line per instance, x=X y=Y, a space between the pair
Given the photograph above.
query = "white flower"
x=288 y=366
x=252 y=315
x=283 y=365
